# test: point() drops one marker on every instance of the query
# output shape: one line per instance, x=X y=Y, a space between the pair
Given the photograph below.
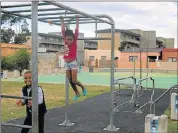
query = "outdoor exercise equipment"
x=142 y=92
x=35 y=17
x=153 y=104
x=118 y=84
x=12 y=124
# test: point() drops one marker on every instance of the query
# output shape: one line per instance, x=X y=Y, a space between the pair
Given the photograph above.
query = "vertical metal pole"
x=111 y=126
x=66 y=121
x=140 y=64
x=147 y=61
x=96 y=28
x=34 y=21
x=0 y=68
x=134 y=64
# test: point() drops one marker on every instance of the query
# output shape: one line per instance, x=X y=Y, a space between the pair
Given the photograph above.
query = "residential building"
x=90 y=45
x=170 y=55
x=164 y=42
x=125 y=39
x=153 y=54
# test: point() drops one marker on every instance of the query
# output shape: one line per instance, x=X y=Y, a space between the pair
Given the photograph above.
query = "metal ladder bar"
x=132 y=100
x=153 y=92
x=16 y=97
x=152 y=110
x=15 y=125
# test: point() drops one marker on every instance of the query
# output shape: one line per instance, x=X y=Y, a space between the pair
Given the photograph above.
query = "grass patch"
x=172 y=124
x=54 y=96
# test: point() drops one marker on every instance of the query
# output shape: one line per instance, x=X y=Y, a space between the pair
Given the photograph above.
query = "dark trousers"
x=28 y=121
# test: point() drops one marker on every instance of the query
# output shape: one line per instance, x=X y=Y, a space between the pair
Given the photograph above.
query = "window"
x=103 y=57
x=131 y=58
x=172 y=59
x=47 y=45
x=92 y=58
x=40 y=45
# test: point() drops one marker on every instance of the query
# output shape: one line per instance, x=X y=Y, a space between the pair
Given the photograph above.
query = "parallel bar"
x=23 y=5
x=16 y=125
x=124 y=78
x=145 y=79
x=0 y=69
x=80 y=20
x=155 y=101
x=77 y=11
x=15 y=97
x=40 y=10
x=81 y=23
x=94 y=38
x=57 y=17
x=34 y=22
x=123 y=103
x=55 y=13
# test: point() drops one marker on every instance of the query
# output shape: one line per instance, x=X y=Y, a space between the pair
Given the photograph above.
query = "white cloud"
x=158 y=16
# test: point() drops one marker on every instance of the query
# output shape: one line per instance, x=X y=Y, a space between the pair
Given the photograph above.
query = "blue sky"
x=158 y=16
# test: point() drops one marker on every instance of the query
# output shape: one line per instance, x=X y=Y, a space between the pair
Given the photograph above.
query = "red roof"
x=170 y=50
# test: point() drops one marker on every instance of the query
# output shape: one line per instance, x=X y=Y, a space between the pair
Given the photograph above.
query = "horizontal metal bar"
x=79 y=16
x=23 y=5
x=55 y=13
x=39 y=10
x=145 y=79
x=14 y=97
x=124 y=78
x=80 y=20
x=94 y=38
x=15 y=125
x=77 y=11
x=155 y=101
x=122 y=104
x=80 y=23
x=126 y=84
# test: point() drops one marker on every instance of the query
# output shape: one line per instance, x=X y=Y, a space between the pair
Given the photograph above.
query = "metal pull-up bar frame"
x=34 y=20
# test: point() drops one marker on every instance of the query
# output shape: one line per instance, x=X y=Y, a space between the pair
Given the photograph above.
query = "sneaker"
x=76 y=97
x=84 y=92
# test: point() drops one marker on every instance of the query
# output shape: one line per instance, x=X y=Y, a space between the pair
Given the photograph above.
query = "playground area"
x=162 y=80
x=91 y=115
x=106 y=107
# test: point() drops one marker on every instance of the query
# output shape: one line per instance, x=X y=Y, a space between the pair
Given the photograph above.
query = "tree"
x=22 y=58
x=19 y=61
x=7 y=21
x=6 y=35
x=8 y=63
x=21 y=37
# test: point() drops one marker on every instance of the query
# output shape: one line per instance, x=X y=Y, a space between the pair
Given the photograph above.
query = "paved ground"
x=92 y=115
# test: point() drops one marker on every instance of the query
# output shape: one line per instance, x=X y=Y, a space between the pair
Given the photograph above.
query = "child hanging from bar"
x=27 y=91
x=70 y=57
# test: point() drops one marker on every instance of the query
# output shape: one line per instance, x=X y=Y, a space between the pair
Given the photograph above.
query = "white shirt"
x=40 y=95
